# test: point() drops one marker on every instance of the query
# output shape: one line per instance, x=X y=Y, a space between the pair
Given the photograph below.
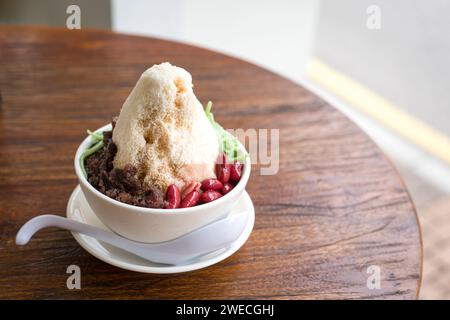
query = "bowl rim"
x=83 y=180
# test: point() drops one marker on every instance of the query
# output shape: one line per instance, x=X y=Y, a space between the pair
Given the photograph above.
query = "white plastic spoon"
x=212 y=237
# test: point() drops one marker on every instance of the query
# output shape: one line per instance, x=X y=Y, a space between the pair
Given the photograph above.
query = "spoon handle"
x=27 y=231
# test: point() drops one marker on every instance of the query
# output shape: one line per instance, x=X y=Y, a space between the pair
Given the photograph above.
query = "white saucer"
x=79 y=210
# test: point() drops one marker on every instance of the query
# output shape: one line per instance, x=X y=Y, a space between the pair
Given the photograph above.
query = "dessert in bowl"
x=164 y=167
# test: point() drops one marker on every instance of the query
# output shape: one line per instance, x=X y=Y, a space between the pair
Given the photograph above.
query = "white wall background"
x=275 y=34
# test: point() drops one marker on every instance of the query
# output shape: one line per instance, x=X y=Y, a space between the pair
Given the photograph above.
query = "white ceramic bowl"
x=155 y=225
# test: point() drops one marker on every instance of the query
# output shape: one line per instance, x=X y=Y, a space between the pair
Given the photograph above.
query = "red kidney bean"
x=190 y=200
x=211 y=184
x=221 y=163
x=173 y=197
x=223 y=173
x=222 y=159
x=191 y=186
x=210 y=195
x=236 y=171
x=227 y=187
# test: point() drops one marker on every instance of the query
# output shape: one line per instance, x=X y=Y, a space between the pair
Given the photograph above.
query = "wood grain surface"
x=336 y=207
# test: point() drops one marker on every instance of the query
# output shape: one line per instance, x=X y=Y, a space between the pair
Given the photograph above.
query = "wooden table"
x=336 y=207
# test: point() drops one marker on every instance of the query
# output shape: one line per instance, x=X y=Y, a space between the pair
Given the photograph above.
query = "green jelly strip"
x=97 y=140
x=227 y=142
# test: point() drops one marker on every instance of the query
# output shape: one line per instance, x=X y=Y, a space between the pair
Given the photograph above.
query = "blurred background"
x=386 y=64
